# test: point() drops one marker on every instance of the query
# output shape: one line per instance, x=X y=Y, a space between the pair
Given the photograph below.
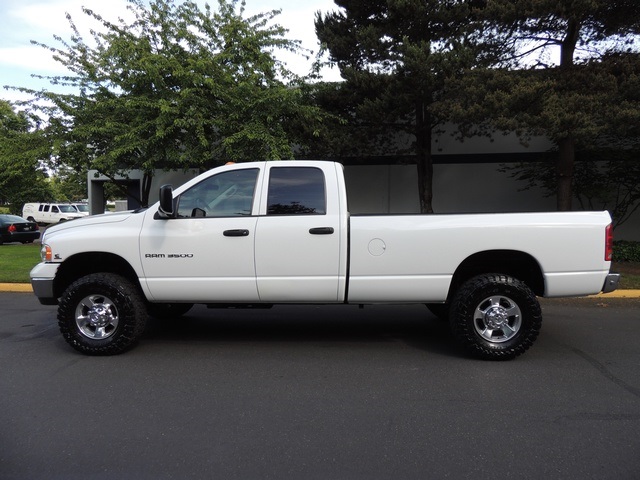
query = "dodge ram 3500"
x=258 y=234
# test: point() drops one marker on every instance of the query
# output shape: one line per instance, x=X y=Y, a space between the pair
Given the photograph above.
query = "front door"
x=205 y=255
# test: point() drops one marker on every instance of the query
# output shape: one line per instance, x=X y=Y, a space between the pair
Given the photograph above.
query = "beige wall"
x=458 y=188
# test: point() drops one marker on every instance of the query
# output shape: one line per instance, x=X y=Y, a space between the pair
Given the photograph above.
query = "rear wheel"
x=495 y=316
x=102 y=314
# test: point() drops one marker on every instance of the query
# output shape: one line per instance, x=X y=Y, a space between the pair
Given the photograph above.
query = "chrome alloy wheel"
x=96 y=317
x=497 y=318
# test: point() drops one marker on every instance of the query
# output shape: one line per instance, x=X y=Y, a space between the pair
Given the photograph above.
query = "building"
x=467 y=179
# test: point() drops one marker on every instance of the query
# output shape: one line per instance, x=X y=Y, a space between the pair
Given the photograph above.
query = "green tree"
x=22 y=149
x=178 y=87
x=578 y=101
x=395 y=56
x=69 y=185
x=606 y=173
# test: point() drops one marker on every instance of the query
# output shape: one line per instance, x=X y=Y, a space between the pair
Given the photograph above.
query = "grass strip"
x=16 y=261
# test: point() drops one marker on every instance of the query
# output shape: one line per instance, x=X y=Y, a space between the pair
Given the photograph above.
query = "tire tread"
x=131 y=308
x=466 y=300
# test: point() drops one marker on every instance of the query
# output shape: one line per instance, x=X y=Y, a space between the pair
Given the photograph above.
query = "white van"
x=49 y=213
x=82 y=208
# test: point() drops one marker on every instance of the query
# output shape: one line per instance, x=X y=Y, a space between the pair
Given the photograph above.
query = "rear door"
x=298 y=235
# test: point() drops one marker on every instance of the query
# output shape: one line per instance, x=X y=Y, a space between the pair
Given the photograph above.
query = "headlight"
x=45 y=253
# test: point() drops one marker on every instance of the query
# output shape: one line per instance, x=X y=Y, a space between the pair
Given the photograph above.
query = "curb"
x=617 y=294
x=15 y=287
x=26 y=287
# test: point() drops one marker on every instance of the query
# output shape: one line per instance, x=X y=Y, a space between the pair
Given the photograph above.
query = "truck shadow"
x=412 y=325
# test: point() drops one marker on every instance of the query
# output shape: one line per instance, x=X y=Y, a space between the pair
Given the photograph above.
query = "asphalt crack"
x=607 y=374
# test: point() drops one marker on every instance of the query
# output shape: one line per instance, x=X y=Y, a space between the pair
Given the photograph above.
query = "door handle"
x=321 y=231
x=240 y=232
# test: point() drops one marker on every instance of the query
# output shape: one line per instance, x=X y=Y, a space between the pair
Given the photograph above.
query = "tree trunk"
x=423 y=159
x=567 y=146
x=564 y=173
x=146 y=189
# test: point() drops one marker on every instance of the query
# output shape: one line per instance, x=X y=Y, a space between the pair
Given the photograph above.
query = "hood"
x=82 y=221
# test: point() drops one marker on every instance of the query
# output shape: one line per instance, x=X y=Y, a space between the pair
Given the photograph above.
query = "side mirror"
x=166 y=201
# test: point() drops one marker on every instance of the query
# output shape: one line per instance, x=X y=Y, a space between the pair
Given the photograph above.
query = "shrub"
x=626 y=251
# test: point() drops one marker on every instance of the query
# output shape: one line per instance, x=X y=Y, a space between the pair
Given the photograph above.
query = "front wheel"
x=102 y=314
x=495 y=316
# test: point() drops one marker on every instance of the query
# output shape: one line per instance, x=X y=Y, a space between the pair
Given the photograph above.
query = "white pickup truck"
x=258 y=234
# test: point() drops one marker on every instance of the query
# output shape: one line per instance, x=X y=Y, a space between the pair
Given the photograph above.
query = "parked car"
x=16 y=229
x=82 y=208
x=48 y=213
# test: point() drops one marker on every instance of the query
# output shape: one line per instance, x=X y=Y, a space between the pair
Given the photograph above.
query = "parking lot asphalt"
x=319 y=392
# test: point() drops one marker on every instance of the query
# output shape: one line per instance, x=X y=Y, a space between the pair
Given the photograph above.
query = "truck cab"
x=268 y=232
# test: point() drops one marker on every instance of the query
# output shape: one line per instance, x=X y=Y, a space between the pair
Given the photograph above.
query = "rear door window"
x=296 y=191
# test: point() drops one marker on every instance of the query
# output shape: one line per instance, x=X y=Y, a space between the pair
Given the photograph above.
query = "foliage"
x=69 y=185
x=22 y=146
x=395 y=57
x=178 y=87
x=602 y=180
x=603 y=120
x=589 y=95
x=626 y=251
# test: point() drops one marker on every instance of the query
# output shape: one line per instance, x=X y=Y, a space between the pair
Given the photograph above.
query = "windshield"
x=67 y=208
x=82 y=207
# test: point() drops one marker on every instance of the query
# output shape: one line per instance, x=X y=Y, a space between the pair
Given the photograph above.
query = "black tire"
x=495 y=316
x=31 y=219
x=440 y=310
x=102 y=314
x=167 y=311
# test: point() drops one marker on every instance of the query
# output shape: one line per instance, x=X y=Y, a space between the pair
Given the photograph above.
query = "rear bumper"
x=611 y=282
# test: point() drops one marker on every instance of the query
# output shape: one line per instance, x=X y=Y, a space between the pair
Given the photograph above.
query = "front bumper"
x=611 y=282
x=43 y=289
x=42 y=279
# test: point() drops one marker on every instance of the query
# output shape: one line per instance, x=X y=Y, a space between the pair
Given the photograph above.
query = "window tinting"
x=296 y=191
x=228 y=194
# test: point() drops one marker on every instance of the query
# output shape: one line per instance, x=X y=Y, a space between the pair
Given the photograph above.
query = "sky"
x=24 y=20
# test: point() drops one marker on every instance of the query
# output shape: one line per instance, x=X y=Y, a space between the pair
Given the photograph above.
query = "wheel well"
x=86 y=263
x=519 y=265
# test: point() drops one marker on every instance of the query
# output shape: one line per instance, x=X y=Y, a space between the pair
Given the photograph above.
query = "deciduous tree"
x=179 y=86
x=23 y=177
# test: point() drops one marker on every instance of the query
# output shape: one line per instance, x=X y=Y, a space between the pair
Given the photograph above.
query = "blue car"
x=16 y=229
